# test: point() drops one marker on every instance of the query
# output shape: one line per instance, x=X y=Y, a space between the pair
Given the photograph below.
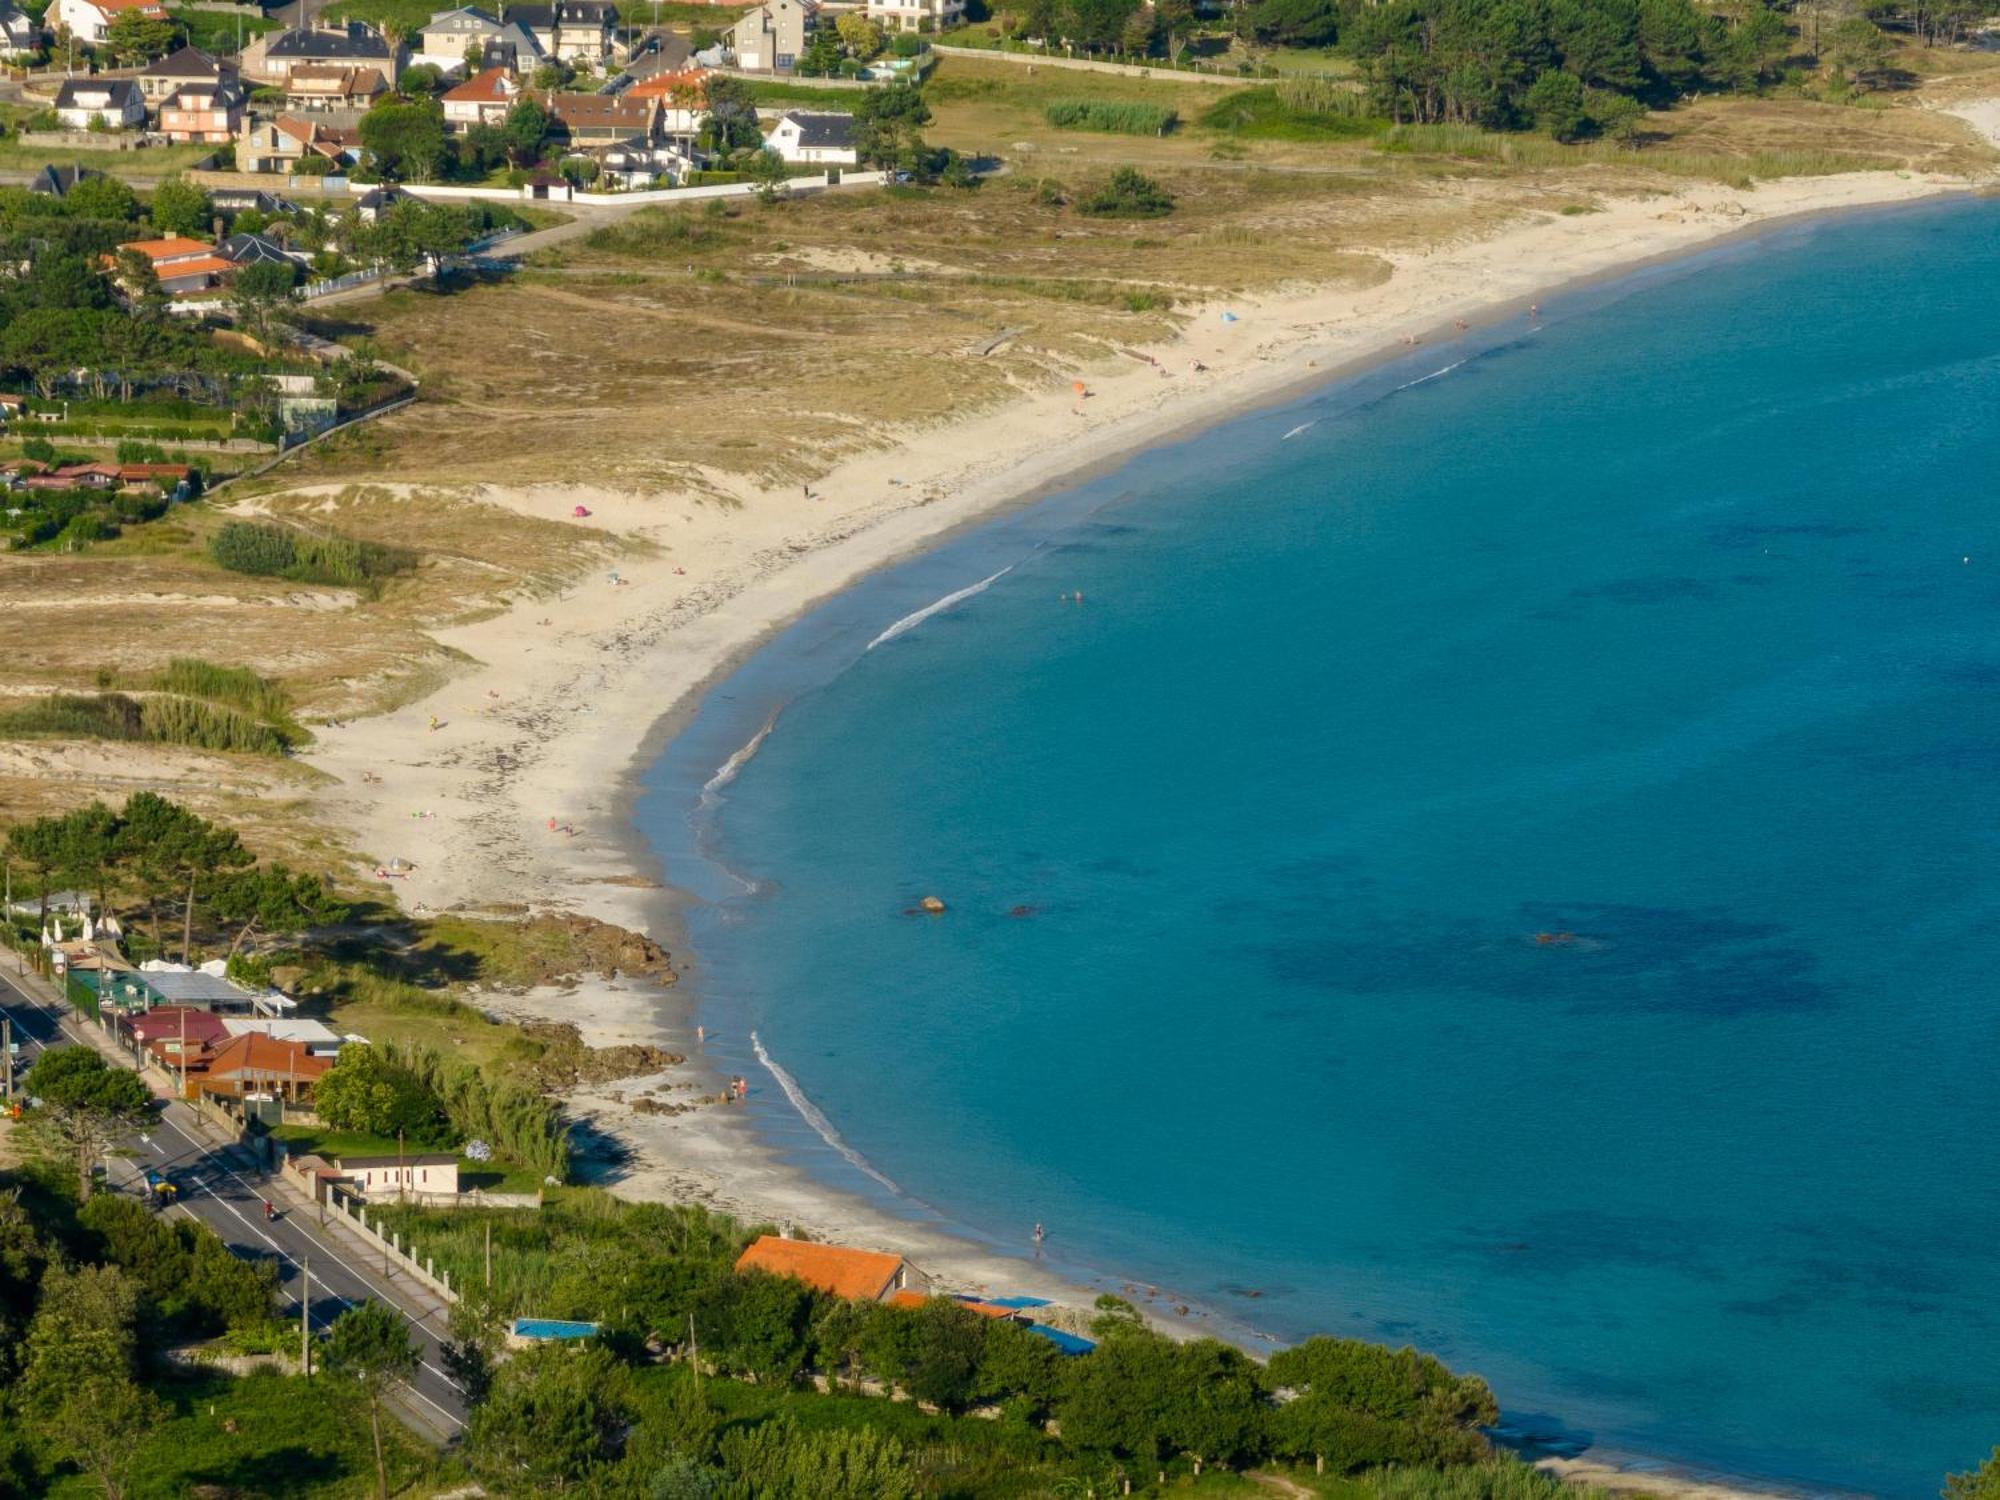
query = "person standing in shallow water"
x=1040 y=1235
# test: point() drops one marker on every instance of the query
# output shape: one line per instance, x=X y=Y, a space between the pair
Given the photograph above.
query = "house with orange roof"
x=857 y=1275
x=184 y=266
x=682 y=96
x=89 y=21
x=483 y=99
x=255 y=1064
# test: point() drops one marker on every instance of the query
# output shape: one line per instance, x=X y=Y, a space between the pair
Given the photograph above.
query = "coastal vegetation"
x=263 y=550
x=1112 y=117
x=654 y=1275
x=93 y=1296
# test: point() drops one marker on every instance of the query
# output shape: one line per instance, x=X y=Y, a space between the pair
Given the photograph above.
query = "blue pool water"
x=1665 y=629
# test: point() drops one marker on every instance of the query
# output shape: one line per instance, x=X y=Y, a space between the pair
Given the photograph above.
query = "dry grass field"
x=690 y=354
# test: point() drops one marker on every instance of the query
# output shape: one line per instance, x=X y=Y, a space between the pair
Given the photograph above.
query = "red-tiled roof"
x=908 y=1298
x=491 y=87
x=861 y=1274
x=209 y=265
x=166 y=249
x=264 y=1060
x=167 y=1022
x=693 y=83
x=600 y=112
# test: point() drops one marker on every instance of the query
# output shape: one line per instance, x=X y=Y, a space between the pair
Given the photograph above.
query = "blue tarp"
x=1069 y=1343
x=1018 y=1302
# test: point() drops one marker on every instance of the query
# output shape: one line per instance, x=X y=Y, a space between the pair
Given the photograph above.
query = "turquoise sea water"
x=1667 y=625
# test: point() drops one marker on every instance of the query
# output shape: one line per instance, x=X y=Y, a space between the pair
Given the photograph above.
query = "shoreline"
x=544 y=746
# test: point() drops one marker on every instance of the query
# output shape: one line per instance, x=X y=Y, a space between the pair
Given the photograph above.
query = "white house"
x=814 y=138
x=385 y=1176
x=116 y=101
x=89 y=21
x=583 y=31
x=481 y=100
x=916 y=15
x=683 y=98
x=19 y=32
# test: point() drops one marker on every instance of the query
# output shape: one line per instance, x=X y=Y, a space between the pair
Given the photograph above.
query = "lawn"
x=488 y=1177
x=260 y=1435
x=217 y=31
x=151 y=161
x=804 y=93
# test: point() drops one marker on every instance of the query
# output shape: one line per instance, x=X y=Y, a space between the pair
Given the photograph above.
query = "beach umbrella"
x=88 y=932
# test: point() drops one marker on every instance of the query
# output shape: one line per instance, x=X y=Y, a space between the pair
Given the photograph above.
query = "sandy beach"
x=524 y=763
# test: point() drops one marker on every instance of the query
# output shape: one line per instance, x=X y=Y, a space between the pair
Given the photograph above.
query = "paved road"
x=222 y=1187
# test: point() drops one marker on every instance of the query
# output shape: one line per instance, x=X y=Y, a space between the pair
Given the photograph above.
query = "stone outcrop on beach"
x=566 y=1063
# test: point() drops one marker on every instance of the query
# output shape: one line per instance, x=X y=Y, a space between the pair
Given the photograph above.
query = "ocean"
x=1497 y=855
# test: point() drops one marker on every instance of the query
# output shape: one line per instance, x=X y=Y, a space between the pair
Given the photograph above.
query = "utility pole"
x=401 y=1195
x=7 y=1069
x=305 y=1316
x=694 y=1355
x=489 y=1252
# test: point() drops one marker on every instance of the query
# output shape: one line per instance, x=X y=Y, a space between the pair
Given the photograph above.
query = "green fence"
x=80 y=995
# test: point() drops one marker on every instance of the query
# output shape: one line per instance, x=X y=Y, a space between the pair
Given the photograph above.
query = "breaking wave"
x=912 y=621
x=810 y=1112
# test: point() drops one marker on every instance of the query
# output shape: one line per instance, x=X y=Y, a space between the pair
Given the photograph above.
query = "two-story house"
x=770 y=38
x=115 y=101
x=201 y=114
x=272 y=56
x=164 y=75
x=450 y=34
x=89 y=21
x=682 y=98
x=916 y=15
x=483 y=100
x=324 y=86
x=20 y=33
x=583 y=121
x=570 y=30
x=279 y=145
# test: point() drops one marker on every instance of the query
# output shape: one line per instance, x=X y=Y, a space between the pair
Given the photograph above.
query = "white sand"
x=551 y=720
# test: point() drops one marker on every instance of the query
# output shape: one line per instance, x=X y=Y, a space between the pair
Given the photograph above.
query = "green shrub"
x=267 y=551
x=102 y=716
x=1128 y=195
x=1118 y=117
x=191 y=677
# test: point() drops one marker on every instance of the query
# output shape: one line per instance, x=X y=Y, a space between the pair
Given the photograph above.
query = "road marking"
x=331 y=1255
x=201 y=1150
